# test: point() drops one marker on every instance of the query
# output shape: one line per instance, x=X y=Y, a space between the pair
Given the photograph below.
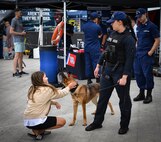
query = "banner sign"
x=30 y=19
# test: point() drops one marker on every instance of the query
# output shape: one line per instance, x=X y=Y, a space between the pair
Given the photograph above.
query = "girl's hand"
x=72 y=84
x=58 y=106
x=53 y=102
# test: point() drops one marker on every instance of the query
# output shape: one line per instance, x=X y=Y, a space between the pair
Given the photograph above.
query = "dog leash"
x=109 y=87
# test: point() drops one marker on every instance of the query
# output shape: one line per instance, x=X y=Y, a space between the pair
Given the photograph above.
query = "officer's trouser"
x=123 y=94
x=91 y=59
x=143 y=69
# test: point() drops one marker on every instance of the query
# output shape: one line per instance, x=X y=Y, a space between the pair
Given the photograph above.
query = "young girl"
x=40 y=99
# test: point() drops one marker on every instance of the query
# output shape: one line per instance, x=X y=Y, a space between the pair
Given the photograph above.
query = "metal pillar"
x=41 y=28
x=65 y=54
x=159 y=69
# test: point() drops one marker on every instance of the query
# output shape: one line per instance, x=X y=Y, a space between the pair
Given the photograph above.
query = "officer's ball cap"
x=94 y=15
x=118 y=15
x=140 y=12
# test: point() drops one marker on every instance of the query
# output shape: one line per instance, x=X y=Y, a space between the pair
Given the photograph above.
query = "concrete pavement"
x=145 y=123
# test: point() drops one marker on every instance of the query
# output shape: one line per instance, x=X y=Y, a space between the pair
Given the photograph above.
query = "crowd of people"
x=125 y=48
x=113 y=57
x=14 y=43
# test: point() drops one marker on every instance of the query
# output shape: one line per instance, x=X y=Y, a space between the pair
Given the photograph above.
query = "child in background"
x=41 y=96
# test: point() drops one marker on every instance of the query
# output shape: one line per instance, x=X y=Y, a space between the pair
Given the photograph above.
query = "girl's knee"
x=61 y=121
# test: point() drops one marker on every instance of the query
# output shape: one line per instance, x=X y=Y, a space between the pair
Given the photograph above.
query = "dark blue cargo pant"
x=107 y=86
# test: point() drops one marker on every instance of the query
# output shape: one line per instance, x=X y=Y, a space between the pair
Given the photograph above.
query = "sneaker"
x=123 y=131
x=16 y=74
x=92 y=127
x=22 y=72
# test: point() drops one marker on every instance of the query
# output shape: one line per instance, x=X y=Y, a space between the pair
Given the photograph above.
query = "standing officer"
x=148 y=42
x=92 y=33
x=118 y=61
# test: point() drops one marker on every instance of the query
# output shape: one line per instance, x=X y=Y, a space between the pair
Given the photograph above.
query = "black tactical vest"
x=115 y=50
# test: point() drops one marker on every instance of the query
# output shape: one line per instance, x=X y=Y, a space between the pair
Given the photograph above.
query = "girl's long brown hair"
x=37 y=81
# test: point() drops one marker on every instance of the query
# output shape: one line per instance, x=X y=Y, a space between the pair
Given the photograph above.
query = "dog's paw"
x=112 y=113
x=71 y=124
x=93 y=113
x=85 y=124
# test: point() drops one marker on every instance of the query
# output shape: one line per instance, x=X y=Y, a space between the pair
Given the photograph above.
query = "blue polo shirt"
x=91 y=32
x=146 y=33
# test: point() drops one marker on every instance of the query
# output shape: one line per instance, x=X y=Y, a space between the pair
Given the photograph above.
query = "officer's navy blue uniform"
x=143 y=63
x=104 y=32
x=124 y=46
x=92 y=46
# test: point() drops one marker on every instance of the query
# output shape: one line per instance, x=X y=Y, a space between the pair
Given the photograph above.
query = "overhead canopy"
x=79 y=4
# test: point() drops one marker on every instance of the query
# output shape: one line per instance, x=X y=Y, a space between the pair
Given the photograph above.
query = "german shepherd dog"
x=82 y=94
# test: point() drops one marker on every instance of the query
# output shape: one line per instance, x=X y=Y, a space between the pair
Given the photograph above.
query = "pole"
x=159 y=70
x=16 y=3
x=65 y=34
x=41 y=27
x=160 y=40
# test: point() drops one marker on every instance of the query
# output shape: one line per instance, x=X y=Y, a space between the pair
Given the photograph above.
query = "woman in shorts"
x=41 y=97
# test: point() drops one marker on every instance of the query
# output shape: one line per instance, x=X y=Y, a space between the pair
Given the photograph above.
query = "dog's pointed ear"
x=62 y=74
x=70 y=75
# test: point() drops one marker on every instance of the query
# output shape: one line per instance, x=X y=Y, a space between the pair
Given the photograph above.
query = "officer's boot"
x=148 y=98
x=140 y=97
